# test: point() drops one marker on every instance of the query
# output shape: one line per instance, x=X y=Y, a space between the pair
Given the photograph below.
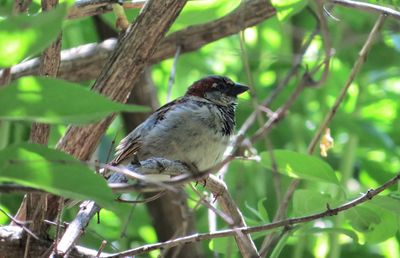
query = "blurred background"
x=365 y=129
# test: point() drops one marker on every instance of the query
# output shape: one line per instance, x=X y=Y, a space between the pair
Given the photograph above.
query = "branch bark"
x=85 y=62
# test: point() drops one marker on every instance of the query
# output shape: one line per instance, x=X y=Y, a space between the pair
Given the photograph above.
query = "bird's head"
x=218 y=89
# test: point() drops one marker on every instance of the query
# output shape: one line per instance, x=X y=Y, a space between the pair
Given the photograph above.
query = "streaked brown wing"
x=127 y=148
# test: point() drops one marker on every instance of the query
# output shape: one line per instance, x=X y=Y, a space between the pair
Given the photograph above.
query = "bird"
x=194 y=129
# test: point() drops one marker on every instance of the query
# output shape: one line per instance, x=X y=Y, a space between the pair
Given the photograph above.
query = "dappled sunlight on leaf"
x=300 y=165
x=53 y=171
x=56 y=101
x=24 y=35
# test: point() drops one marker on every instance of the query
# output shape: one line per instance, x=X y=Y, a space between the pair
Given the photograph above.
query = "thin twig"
x=246 y=230
x=205 y=202
x=146 y=200
x=101 y=248
x=58 y=220
x=323 y=30
x=362 y=56
x=368 y=7
x=19 y=223
x=27 y=244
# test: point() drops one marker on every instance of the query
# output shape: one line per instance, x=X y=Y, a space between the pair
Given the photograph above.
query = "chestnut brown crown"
x=218 y=89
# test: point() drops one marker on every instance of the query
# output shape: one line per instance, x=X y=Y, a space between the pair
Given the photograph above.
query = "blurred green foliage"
x=365 y=129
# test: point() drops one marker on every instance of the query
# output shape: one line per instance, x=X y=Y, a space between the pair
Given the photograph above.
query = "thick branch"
x=85 y=62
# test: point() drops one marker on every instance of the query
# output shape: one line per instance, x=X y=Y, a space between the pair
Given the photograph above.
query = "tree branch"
x=85 y=62
x=368 y=7
x=246 y=230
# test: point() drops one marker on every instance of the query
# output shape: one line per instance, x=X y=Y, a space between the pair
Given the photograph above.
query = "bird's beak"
x=237 y=89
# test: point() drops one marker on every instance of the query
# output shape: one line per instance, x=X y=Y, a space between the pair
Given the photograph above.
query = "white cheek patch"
x=214 y=85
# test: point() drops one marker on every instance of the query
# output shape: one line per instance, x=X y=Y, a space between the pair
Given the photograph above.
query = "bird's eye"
x=214 y=85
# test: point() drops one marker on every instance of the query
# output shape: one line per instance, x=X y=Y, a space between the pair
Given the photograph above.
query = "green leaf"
x=254 y=211
x=377 y=224
x=223 y=245
x=25 y=35
x=287 y=8
x=390 y=203
x=306 y=202
x=262 y=210
x=50 y=100
x=53 y=171
x=300 y=165
x=347 y=232
x=279 y=246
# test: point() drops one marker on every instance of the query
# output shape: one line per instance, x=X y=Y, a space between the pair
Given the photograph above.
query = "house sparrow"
x=194 y=129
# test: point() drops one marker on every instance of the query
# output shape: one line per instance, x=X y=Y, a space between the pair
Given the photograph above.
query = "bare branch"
x=246 y=230
x=368 y=7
